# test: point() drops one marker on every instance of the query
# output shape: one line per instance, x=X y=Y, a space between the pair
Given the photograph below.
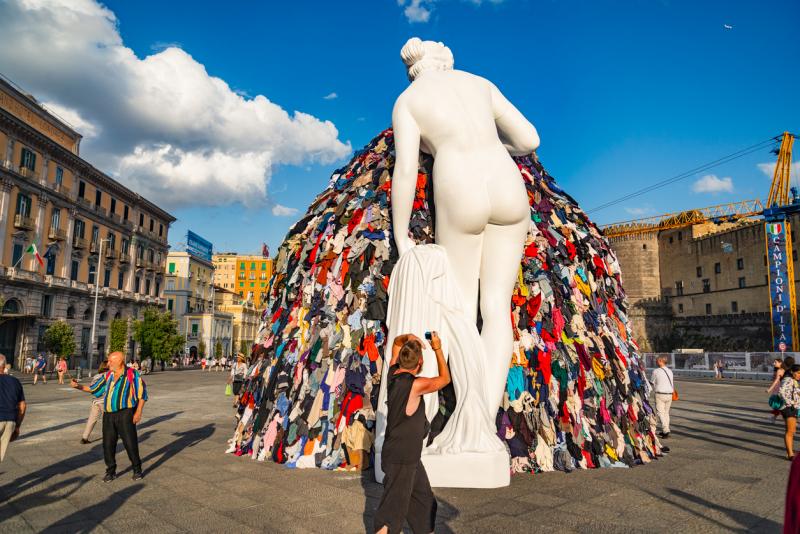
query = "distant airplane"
x=727 y=26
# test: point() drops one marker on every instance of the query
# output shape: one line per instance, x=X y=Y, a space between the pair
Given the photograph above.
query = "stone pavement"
x=726 y=472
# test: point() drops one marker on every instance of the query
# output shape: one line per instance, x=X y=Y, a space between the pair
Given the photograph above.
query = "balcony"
x=21 y=274
x=127 y=224
x=140 y=262
x=84 y=203
x=80 y=243
x=110 y=254
x=79 y=285
x=101 y=210
x=26 y=172
x=57 y=234
x=59 y=188
x=94 y=247
x=124 y=257
x=149 y=265
x=116 y=218
x=24 y=223
x=55 y=281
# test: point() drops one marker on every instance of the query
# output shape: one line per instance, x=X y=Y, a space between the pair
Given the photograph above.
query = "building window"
x=71 y=312
x=113 y=205
x=55 y=218
x=147 y=286
x=151 y=224
x=23 y=205
x=717 y=268
x=73 y=273
x=141 y=219
x=47 y=306
x=59 y=175
x=51 y=262
x=734 y=307
x=679 y=288
x=125 y=246
x=125 y=212
x=16 y=254
x=740 y=263
x=241 y=275
x=252 y=275
x=742 y=283
x=706 y=285
x=107 y=278
x=708 y=309
x=98 y=197
x=158 y=289
x=171 y=267
x=92 y=270
x=160 y=230
x=680 y=307
x=264 y=266
x=82 y=189
x=95 y=234
x=169 y=305
x=241 y=284
x=263 y=284
x=120 y=280
x=28 y=159
x=137 y=283
x=252 y=284
x=79 y=229
x=699 y=272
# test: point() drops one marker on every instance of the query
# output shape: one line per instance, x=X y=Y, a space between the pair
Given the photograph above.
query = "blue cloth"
x=11 y=395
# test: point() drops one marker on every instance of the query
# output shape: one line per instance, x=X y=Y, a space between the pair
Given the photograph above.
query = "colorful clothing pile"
x=576 y=395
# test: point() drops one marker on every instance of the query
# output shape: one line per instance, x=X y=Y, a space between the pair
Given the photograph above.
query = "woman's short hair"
x=419 y=56
x=410 y=354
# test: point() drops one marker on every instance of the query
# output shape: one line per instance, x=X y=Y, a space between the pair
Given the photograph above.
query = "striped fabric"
x=119 y=394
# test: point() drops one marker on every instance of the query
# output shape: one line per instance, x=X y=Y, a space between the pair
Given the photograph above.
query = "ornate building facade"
x=88 y=229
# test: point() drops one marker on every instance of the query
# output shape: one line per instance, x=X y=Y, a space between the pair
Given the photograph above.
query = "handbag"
x=776 y=402
x=228 y=390
x=674 y=391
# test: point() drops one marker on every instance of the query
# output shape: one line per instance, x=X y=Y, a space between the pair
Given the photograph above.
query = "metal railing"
x=749 y=365
x=24 y=223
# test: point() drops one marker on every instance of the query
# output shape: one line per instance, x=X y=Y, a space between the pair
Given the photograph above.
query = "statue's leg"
x=464 y=255
x=502 y=251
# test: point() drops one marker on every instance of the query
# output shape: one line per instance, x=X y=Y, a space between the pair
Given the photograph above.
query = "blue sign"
x=197 y=246
x=781 y=287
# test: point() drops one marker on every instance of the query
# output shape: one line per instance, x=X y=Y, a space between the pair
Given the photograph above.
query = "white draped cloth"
x=424 y=297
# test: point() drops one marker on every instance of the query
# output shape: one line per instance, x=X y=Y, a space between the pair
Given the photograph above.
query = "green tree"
x=157 y=335
x=218 y=349
x=201 y=349
x=118 y=332
x=59 y=338
x=244 y=347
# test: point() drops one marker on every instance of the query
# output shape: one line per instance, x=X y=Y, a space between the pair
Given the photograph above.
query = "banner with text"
x=781 y=287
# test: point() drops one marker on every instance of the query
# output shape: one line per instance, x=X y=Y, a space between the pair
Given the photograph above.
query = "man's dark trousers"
x=120 y=425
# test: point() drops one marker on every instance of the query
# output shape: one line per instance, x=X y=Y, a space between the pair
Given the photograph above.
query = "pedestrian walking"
x=124 y=394
x=203 y=364
x=223 y=363
x=96 y=410
x=39 y=367
x=790 y=395
x=61 y=369
x=238 y=373
x=407 y=494
x=12 y=408
x=664 y=388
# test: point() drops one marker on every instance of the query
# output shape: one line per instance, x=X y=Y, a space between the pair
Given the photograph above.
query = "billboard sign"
x=783 y=309
x=197 y=246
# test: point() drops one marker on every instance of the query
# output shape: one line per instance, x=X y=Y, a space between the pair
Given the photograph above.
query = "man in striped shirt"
x=124 y=393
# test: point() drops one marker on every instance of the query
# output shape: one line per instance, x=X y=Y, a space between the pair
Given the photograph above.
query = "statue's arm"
x=516 y=132
x=404 y=178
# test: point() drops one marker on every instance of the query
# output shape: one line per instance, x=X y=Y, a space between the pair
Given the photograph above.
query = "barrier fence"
x=747 y=365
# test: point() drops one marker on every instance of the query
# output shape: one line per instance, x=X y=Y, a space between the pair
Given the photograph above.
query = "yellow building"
x=247 y=275
x=246 y=318
x=51 y=198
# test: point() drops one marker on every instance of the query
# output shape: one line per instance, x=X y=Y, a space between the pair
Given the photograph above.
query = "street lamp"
x=96 y=294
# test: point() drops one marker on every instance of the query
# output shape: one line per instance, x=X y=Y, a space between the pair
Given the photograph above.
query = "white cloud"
x=283 y=211
x=170 y=130
x=769 y=169
x=73 y=119
x=710 y=183
x=416 y=10
x=420 y=10
x=639 y=211
x=330 y=96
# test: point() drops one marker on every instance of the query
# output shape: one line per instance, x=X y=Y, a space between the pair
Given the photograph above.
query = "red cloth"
x=350 y=405
x=534 y=303
x=571 y=250
x=532 y=250
x=544 y=366
x=354 y=220
x=791 y=518
x=588 y=458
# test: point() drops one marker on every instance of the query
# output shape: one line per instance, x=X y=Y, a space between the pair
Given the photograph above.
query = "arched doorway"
x=193 y=353
x=11 y=320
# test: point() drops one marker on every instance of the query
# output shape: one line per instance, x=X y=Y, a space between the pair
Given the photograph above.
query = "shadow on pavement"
x=86 y=519
x=43 y=497
x=704 y=434
x=185 y=439
x=50 y=429
x=156 y=420
x=761 y=411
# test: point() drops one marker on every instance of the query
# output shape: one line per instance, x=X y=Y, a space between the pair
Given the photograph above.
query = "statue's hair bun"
x=412 y=51
x=419 y=56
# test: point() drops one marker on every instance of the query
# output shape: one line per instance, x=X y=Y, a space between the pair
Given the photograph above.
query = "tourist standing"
x=664 y=387
x=96 y=410
x=39 y=367
x=12 y=408
x=61 y=369
x=790 y=395
x=407 y=494
x=124 y=393
x=238 y=372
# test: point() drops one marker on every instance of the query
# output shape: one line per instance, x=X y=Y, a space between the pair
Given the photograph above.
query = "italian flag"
x=35 y=251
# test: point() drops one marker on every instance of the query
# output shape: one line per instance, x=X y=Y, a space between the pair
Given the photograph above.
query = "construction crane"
x=776 y=212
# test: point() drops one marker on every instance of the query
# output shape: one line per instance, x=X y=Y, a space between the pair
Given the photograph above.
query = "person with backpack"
x=664 y=388
x=124 y=393
x=790 y=395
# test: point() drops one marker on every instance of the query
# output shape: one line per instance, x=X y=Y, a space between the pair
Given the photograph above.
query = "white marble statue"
x=482 y=219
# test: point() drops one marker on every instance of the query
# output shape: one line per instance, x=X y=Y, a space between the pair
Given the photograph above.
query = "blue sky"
x=623 y=93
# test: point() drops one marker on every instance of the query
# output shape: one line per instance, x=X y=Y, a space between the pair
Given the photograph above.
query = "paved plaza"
x=726 y=472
